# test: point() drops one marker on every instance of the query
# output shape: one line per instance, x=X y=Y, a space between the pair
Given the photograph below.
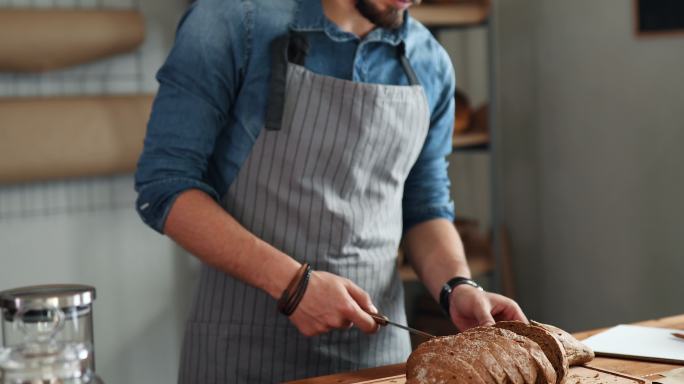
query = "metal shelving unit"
x=462 y=15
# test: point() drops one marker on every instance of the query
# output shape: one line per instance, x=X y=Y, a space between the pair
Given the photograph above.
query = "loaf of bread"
x=510 y=352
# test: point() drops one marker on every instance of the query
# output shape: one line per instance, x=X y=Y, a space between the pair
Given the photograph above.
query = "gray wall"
x=593 y=126
x=86 y=231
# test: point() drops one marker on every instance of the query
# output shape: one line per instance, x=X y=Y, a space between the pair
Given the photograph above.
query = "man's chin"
x=392 y=18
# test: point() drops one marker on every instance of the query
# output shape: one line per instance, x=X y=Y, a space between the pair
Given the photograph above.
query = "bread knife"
x=383 y=321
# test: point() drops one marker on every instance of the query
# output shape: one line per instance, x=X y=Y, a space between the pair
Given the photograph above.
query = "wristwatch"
x=449 y=286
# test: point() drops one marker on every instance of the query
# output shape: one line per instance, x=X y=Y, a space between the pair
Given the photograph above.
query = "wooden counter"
x=394 y=373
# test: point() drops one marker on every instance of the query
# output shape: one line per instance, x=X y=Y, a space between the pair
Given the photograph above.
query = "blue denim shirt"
x=213 y=95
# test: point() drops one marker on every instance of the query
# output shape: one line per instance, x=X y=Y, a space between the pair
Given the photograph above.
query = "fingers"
x=515 y=313
x=471 y=308
x=332 y=302
x=356 y=312
x=507 y=309
x=482 y=312
x=360 y=296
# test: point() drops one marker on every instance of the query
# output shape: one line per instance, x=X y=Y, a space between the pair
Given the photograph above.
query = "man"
x=305 y=131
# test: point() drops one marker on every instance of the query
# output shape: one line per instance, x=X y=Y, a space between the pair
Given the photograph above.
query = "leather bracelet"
x=289 y=292
x=449 y=286
x=294 y=293
x=299 y=294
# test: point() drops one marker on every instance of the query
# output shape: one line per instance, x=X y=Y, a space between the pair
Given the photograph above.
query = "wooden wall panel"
x=56 y=138
x=39 y=40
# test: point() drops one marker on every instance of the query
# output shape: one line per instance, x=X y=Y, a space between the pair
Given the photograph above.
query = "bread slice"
x=546 y=373
x=505 y=360
x=576 y=352
x=521 y=357
x=475 y=360
x=551 y=347
x=433 y=374
x=421 y=361
x=474 y=352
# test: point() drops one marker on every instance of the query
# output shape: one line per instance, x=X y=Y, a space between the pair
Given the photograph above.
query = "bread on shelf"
x=509 y=352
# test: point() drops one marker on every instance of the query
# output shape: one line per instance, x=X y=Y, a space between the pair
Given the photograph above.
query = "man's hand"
x=333 y=302
x=470 y=307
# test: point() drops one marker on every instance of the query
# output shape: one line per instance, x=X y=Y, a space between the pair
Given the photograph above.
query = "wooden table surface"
x=635 y=368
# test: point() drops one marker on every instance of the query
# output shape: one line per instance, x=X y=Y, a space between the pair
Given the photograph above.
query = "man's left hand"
x=470 y=307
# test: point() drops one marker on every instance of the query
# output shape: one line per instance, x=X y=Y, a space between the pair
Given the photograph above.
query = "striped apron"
x=324 y=187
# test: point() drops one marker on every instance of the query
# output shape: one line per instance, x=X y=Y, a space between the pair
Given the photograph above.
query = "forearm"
x=198 y=224
x=436 y=253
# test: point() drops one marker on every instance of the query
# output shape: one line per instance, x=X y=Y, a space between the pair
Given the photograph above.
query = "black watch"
x=449 y=286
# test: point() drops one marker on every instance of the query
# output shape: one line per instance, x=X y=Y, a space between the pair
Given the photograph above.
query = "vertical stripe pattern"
x=325 y=189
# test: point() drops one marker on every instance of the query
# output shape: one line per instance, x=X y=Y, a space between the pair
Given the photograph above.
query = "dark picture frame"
x=658 y=17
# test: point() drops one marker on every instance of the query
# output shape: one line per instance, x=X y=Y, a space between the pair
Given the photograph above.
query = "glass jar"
x=29 y=310
x=65 y=363
x=41 y=357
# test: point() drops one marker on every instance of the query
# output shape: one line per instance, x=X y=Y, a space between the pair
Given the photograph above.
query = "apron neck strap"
x=291 y=47
x=406 y=65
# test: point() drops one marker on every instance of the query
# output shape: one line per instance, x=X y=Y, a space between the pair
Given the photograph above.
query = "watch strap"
x=449 y=286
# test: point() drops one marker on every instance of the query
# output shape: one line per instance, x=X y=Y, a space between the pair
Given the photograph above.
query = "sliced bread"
x=433 y=374
x=576 y=352
x=521 y=357
x=461 y=370
x=552 y=348
x=474 y=352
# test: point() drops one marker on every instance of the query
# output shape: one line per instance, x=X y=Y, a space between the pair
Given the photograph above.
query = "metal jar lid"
x=47 y=296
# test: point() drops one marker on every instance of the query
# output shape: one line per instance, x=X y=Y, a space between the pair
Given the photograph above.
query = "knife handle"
x=379 y=318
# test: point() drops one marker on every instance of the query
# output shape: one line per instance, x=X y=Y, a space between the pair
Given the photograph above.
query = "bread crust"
x=521 y=357
x=551 y=347
x=419 y=363
x=576 y=352
x=508 y=353
x=431 y=374
x=473 y=351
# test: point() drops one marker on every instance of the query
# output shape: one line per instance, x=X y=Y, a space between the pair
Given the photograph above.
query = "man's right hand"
x=332 y=302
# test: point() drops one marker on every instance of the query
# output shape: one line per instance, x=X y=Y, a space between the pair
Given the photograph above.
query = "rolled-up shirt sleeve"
x=197 y=86
x=426 y=192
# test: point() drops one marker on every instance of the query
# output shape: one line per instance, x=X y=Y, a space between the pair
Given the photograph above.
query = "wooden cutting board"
x=578 y=375
x=601 y=370
x=395 y=375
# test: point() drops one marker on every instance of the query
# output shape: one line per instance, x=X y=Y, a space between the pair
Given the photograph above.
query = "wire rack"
x=122 y=74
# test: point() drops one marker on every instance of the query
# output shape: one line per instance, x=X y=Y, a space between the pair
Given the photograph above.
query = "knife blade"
x=384 y=321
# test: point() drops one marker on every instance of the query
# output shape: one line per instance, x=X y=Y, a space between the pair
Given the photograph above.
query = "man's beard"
x=392 y=18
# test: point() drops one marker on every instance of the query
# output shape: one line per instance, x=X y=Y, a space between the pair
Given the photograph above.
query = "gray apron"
x=324 y=187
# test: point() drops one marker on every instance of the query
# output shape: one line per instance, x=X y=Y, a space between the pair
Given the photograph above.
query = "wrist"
x=295 y=290
x=278 y=271
x=452 y=288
